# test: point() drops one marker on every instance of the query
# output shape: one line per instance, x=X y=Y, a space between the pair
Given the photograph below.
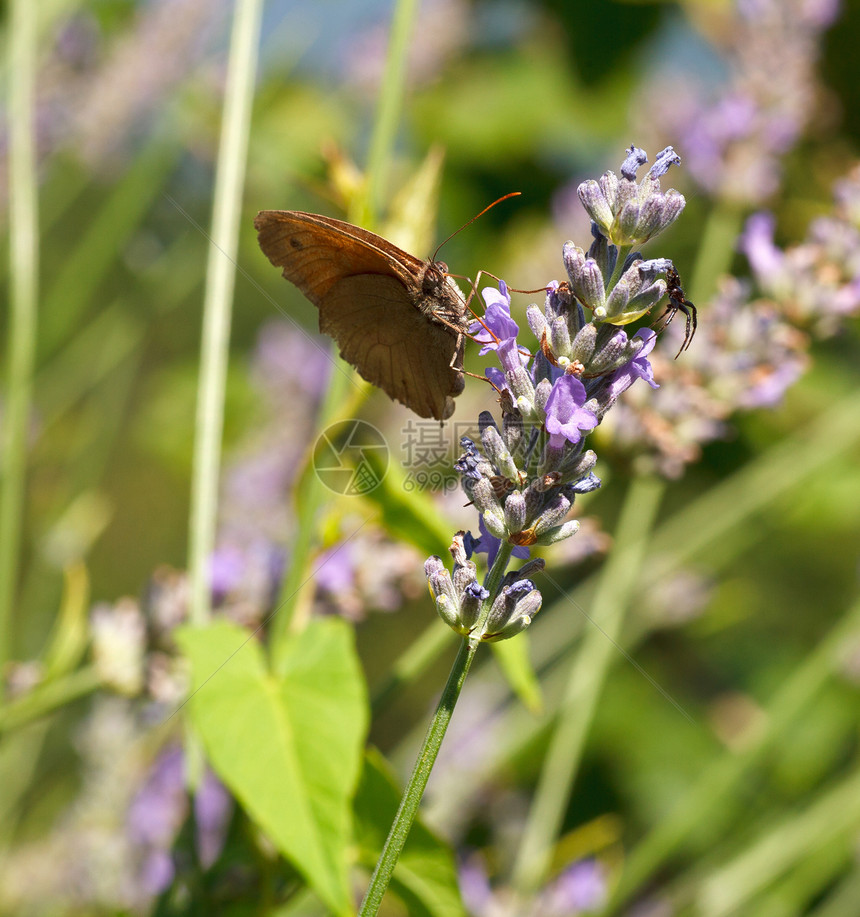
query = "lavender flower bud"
x=515 y=512
x=659 y=210
x=495 y=447
x=635 y=159
x=513 y=432
x=587 y=484
x=524 y=573
x=484 y=497
x=586 y=278
x=512 y=611
x=664 y=159
x=542 y=392
x=439 y=579
x=552 y=514
x=559 y=338
x=578 y=466
x=470 y=606
x=602 y=252
x=535 y=318
x=598 y=198
x=582 y=348
x=442 y=590
x=552 y=458
x=534 y=499
x=495 y=525
x=558 y=533
x=612 y=354
x=517 y=378
x=463 y=575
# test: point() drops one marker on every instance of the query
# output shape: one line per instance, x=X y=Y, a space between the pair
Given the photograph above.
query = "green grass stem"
x=217 y=304
x=23 y=299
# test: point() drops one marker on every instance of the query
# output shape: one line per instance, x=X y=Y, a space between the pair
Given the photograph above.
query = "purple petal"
x=566 y=418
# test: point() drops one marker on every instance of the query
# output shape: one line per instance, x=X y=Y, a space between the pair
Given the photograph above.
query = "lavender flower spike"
x=628 y=213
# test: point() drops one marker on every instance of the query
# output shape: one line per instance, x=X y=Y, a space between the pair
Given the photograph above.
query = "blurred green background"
x=518 y=96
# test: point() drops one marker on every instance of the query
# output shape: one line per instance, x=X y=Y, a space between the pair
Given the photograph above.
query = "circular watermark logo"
x=351 y=457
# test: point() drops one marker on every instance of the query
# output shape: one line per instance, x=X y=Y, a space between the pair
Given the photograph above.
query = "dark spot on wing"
x=296 y=243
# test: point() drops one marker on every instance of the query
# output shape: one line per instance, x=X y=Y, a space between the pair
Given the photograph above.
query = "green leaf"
x=289 y=748
x=425 y=877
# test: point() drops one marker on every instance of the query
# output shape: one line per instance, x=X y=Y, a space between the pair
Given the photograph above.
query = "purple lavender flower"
x=734 y=135
x=475 y=886
x=155 y=816
x=756 y=242
x=213 y=807
x=580 y=888
x=226 y=568
x=638 y=368
x=496 y=324
x=566 y=418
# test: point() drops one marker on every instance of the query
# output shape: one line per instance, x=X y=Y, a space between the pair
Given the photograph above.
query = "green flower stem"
x=23 y=296
x=623 y=252
x=599 y=647
x=217 y=306
x=408 y=808
x=46 y=698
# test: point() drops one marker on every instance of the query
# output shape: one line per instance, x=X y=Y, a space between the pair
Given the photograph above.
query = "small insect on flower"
x=677 y=302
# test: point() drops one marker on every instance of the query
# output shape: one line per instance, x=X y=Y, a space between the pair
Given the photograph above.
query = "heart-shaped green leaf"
x=289 y=748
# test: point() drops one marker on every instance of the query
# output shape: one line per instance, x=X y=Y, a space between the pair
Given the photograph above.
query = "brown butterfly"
x=398 y=320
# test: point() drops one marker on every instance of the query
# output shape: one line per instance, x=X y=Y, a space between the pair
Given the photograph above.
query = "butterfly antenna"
x=477 y=215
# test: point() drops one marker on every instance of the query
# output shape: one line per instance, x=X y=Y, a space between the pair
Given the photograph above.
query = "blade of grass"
x=82 y=268
x=23 y=297
x=588 y=668
x=706 y=804
x=217 y=304
x=835 y=813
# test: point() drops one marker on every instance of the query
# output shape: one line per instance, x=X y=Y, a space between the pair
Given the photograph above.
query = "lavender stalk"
x=525 y=474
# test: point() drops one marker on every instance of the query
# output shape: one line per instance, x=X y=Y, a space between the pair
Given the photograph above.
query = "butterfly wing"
x=365 y=289
x=393 y=345
x=315 y=251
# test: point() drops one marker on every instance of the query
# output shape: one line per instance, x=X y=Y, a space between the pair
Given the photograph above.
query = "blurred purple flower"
x=155 y=816
x=226 y=568
x=580 y=888
x=213 y=807
x=734 y=132
x=287 y=357
x=335 y=568
x=756 y=242
x=475 y=886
